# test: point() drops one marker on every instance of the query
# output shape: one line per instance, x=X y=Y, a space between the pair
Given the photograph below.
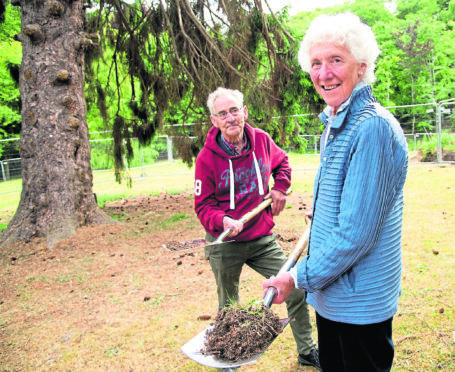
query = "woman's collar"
x=328 y=109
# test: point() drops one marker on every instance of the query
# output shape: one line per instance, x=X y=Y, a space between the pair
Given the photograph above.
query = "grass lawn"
x=113 y=299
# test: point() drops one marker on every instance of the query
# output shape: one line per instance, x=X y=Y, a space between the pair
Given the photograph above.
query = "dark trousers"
x=355 y=348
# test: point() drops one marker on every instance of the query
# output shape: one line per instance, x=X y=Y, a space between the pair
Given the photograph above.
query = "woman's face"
x=334 y=73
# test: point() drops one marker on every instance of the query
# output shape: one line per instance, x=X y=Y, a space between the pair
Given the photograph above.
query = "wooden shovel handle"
x=248 y=216
x=301 y=247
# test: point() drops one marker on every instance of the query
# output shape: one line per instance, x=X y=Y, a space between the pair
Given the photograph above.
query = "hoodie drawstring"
x=232 y=181
x=258 y=172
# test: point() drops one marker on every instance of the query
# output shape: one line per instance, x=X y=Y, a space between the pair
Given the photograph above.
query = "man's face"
x=334 y=72
x=229 y=117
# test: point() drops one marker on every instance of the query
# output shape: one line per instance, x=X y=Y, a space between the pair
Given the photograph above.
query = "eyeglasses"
x=234 y=111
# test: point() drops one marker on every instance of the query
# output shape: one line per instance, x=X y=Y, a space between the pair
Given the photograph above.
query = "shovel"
x=192 y=349
x=245 y=218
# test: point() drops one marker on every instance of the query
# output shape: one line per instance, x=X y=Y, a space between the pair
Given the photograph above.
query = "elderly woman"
x=352 y=272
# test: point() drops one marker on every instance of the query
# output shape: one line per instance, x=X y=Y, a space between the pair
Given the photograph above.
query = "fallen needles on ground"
x=240 y=332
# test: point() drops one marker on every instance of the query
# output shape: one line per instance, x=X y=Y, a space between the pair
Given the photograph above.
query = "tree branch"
x=270 y=45
x=176 y=53
x=207 y=37
x=288 y=35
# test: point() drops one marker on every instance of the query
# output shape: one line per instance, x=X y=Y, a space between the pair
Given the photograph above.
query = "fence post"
x=6 y=176
x=141 y=152
x=3 y=171
x=169 y=149
x=438 y=132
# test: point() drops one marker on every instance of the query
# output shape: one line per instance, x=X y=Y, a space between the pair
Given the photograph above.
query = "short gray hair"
x=343 y=29
x=237 y=95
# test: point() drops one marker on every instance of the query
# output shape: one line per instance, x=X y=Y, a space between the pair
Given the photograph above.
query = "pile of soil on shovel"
x=241 y=332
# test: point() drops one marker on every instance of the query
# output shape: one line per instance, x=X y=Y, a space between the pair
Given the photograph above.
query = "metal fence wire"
x=429 y=130
x=10 y=161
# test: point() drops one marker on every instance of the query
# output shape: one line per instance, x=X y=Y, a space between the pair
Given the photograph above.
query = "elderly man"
x=232 y=177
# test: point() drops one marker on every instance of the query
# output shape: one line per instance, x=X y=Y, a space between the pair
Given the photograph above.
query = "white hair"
x=343 y=29
x=237 y=95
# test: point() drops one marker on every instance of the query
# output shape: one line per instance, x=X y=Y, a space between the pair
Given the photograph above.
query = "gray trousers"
x=266 y=257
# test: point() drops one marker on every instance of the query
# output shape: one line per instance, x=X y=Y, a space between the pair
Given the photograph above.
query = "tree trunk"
x=57 y=179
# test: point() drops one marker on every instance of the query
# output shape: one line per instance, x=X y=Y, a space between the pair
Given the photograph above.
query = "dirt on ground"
x=432 y=156
x=126 y=297
x=109 y=280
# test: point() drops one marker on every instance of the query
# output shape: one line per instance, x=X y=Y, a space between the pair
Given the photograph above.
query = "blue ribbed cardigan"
x=353 y=269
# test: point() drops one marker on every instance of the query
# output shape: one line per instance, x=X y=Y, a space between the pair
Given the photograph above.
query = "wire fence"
x=430 y=132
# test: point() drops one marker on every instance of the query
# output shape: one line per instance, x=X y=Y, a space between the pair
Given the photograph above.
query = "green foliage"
x=431 y=143
x=416 y=63
x=146 y=74
x=158 y=65
x=12 y=24
x=10 y=59
x=102 y=157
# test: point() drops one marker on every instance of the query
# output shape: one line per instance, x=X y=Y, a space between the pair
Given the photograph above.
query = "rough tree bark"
x=57 y=179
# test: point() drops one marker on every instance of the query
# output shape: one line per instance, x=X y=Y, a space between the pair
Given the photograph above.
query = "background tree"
x=180 y=51
x=416 y=57
x=56 y=175
x=10 y=59
x=176 y=51
x=144 y=63
x=422 y=38
x=436 y=21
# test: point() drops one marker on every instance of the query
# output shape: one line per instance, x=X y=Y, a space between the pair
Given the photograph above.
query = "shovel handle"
x=248 y=216
x=301 y=246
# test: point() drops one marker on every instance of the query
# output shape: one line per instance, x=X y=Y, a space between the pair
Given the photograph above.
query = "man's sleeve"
x=205 y=204
x=281 y=170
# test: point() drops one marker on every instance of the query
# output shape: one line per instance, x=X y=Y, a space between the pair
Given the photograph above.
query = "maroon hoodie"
x=215 y=196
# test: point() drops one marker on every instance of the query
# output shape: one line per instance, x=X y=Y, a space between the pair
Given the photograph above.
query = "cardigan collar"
x=337 y=120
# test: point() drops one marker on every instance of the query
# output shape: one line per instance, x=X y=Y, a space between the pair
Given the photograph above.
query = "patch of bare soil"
x=241 y=332
x=96 y=297
x=431 y=156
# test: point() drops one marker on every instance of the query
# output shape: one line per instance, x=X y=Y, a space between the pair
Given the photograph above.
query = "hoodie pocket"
x=265 y=221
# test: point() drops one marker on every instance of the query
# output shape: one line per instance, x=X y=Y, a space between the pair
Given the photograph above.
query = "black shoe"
x=310 y=359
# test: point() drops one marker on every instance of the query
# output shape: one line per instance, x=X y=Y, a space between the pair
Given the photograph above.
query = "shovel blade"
x=183 y=246
x=192 y=349
x=175 y=246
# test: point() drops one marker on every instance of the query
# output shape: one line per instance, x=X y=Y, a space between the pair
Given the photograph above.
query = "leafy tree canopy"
x=153 y=63
x=162 y=58
x=10 y=58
